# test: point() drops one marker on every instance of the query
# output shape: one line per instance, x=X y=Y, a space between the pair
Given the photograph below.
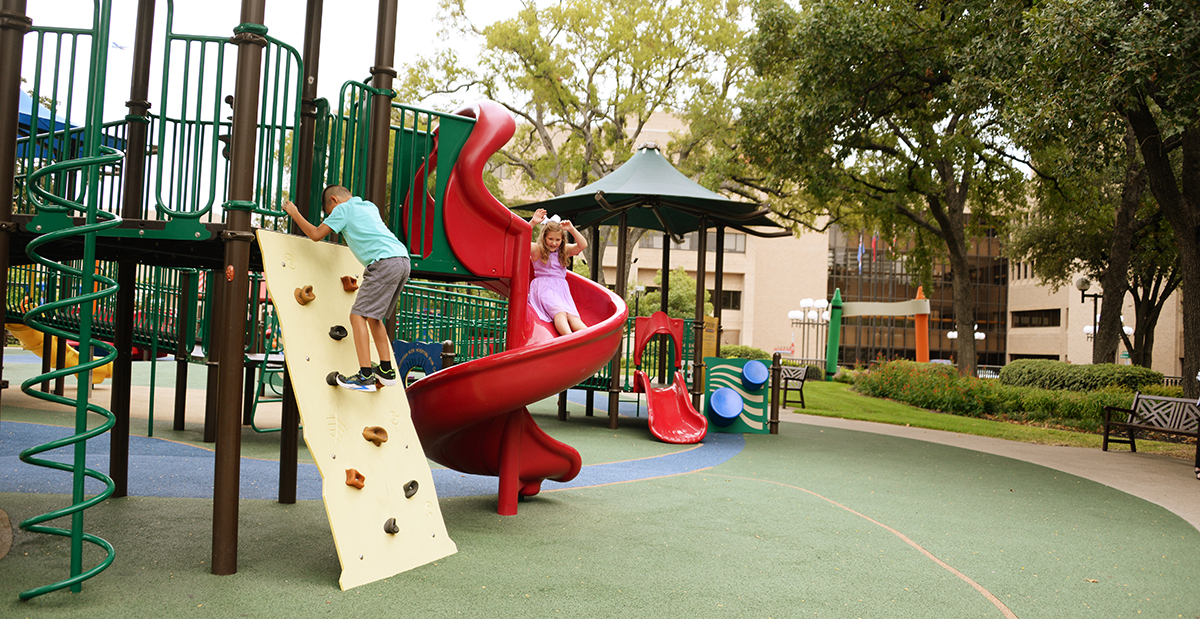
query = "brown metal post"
x=698 y=324
x=289 y=436
x=13 y=26
x=235 y=280
x=382 y=75
x=134 y=173
x=213 y=385
x=776 y=377
x=595 y=271
x=448 y=354
x=614 y=385
x=184 y=319
x=719 y=281
x=664 y=293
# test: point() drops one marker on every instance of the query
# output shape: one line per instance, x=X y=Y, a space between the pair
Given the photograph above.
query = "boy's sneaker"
x=387 y=378
x=357 y=382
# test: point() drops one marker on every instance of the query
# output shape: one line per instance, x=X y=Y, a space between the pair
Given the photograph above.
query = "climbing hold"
x=349 y=283
x=304 y=295
x=331 y=378
x=337 y=332
x=354 y=478
x=410 y=489
x=375 y=434
x=390 y=527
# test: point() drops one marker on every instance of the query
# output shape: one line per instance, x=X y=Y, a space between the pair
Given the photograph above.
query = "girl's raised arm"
x=580 y=243
x=535 y=250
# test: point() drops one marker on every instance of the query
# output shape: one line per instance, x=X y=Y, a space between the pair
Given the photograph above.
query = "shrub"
x=939 y=387
x=734 y=351
x=1049 y=374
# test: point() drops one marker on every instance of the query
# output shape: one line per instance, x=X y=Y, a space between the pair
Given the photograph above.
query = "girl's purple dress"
x=548 y=292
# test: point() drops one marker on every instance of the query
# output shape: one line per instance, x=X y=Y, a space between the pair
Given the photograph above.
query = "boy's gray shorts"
x=379 y=291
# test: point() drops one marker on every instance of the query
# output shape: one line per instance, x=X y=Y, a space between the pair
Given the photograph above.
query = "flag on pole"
x=860 y=252
x=874 y=240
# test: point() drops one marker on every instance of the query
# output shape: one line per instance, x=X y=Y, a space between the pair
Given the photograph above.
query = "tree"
x=893 y=109
x=1091 y=212
x=681 y=302
x=1138 y=59
x=583 y=78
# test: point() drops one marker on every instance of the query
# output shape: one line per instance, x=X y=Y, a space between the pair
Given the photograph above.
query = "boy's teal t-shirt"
x=359 y=222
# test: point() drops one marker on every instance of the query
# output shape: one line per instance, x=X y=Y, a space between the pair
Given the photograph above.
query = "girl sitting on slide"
x=549 y=295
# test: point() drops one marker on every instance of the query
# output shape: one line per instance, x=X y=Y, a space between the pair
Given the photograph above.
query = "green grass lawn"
x=828 y=399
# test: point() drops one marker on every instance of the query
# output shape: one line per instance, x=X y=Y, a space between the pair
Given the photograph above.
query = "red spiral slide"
x=472 y=417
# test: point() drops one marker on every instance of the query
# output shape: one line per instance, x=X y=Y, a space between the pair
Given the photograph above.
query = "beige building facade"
x=765 y=279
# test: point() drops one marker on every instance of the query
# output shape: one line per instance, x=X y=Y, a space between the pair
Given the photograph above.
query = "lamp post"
x=953 y=335
x=813 y=314
x=1083 y=284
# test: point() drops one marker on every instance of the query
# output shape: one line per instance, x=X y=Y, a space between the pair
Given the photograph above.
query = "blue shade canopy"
x=656 y=196
x=46 y=121
x=46 y=124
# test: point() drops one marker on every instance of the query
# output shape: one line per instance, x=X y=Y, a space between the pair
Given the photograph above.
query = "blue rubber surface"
x=163 y=468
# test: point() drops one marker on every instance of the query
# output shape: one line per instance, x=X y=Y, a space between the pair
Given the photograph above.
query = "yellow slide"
x=32 y=340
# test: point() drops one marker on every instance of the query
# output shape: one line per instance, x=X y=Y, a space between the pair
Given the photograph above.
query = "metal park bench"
x=1149 y=413
x=792 y=379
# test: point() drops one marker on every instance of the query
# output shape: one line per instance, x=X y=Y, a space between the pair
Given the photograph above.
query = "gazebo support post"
x=614 y=385
x=664 y=293
x=698 y=324
x=718 y=287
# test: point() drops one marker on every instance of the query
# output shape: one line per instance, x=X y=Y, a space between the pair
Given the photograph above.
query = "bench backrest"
x=1164 y=412
x=793 y=372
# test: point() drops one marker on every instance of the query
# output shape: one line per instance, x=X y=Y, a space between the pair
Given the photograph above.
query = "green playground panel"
x=720 y=373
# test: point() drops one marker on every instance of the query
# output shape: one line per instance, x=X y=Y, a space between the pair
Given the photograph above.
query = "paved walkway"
x=1163 y=480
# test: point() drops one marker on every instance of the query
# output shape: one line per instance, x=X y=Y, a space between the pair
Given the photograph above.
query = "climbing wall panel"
x=391 y=523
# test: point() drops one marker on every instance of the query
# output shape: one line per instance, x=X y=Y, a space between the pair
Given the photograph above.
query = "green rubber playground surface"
x=813 y=522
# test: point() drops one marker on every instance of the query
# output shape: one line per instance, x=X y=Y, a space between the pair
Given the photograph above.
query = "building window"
x=730 y=299
x=735 y=242
x=1037 y=318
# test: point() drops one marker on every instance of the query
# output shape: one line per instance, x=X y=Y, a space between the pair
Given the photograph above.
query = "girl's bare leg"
x=562 y=323
x=575 y=322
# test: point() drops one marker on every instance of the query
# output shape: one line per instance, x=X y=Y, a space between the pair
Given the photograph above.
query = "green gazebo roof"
x=656 y=196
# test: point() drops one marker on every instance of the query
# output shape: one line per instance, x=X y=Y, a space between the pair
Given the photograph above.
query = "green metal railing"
x=471 y=317
x=423 y=147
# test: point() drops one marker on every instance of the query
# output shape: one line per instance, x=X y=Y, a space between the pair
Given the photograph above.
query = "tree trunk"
x=964 y=309
x=1180 y=205
x=1114 y=281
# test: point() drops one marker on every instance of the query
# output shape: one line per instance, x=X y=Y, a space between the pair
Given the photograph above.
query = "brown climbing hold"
x=390 y=527
x=356 y=479
x=349 y=283
x=304 y=295
x=410 y=489
x=376 y=435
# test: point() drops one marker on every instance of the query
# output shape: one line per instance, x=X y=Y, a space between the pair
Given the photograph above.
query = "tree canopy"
x=891 y=110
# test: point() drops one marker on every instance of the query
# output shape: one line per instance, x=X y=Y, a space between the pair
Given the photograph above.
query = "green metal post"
x=835 y=334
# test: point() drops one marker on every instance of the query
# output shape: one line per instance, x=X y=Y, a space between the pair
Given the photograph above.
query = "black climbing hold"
x=337 y=332
x=331 y=378
x=390 y=527
x=410 y=489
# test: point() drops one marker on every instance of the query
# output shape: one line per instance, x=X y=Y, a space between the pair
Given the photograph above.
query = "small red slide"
x=471 y=417
x=671 y=415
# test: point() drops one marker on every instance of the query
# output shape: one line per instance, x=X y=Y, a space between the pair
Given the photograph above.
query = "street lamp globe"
x=806 y=303
x=821 y=304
